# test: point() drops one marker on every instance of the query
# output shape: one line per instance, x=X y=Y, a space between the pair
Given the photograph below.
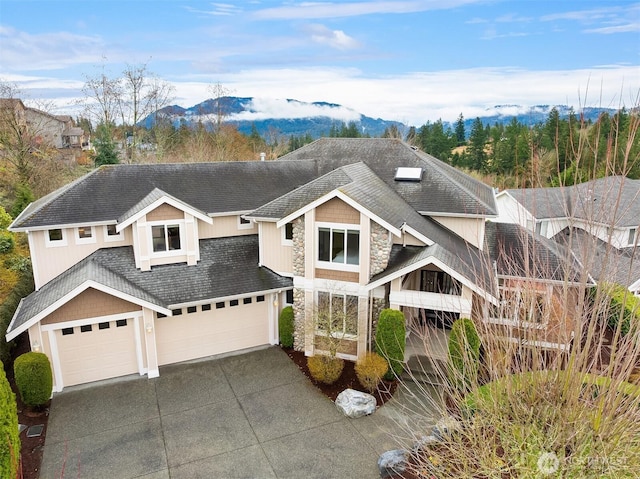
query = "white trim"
x=88 y=240
x=55 y=356
x=171 y=201
x=119 y=236
x=435 y=214
x=57 y=243
x=408 y=229
x=541 y=344
x=514 y=323
x=244 y=226
x=260 y=245
x=57 y=226
x=136 y=332
x=226 y=298
x=346 y=199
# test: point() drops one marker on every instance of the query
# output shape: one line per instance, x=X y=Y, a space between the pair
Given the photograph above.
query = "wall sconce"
x=275 y=303
x=149 y=328
x=35 y=347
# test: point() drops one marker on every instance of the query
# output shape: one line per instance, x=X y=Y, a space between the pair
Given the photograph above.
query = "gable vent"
x=408 y=174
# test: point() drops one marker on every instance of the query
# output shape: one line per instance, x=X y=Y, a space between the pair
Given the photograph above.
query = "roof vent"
x=408 y=174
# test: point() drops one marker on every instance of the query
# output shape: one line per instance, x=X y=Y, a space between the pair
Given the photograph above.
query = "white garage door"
x=199 y=333
x=97 y=351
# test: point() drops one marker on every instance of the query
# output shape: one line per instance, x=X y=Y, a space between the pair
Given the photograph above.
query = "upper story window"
x=166 y=238
x=244 y=224
x=111 y=234
x=55 y=237
x=339 y=246
x=287 y=234
x=632 y=237
x=84 y=234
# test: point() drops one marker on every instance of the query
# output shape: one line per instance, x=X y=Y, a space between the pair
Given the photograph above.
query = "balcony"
x=434 y=301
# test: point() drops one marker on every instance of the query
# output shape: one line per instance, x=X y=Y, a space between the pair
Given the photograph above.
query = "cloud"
x=615 y=19
x=219 y=9
x=628 y=27
x=263 y=108
x=310 y=10
x=412 y=98
x=333 y=38
x=47 y=51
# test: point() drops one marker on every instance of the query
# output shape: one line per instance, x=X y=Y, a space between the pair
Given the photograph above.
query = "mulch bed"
x=348 y=380
x=32 y=447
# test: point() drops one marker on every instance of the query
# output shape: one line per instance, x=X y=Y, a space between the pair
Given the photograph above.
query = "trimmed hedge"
x=34 y=378
x=286 y=327
x=325 y=369
x=370 y=370
x=622 y=304
x=391 y=341
x=9 y=436
x=464 y=353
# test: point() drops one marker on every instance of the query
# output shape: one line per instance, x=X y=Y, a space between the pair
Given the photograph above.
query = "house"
x=598 y=220
x=58 y=131
x=139 y=266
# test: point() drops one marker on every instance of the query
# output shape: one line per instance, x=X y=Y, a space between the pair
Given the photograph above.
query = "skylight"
x=404 y=173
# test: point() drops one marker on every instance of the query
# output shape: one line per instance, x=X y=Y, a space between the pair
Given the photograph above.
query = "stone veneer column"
x=380 y=249
x=298 y=293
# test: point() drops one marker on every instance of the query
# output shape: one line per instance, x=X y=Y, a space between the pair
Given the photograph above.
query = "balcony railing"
x=434 y=301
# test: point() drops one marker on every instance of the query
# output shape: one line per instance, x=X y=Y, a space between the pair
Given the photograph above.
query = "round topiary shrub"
x=325 y=369
x=285 y=327
x=34 y=379
x=10 y=438
x=370 y=370
x=391 y=341
x=464 y=353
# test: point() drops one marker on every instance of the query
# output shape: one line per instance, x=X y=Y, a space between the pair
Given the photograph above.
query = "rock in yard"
x=355 y=404
x=392 y=462
x=424 y=442
x=445 y=427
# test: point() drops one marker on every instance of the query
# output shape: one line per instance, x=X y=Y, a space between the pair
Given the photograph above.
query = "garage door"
x=97 y=351
x=197 y=333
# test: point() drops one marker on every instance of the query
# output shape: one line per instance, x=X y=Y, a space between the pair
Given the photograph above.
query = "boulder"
x=424 y=442
x=392 y=462
x=445 y=427
x=355 y=404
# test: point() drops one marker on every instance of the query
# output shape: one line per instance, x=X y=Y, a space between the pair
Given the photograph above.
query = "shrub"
x=9 y=436
x=391 y=341
x=370 y=370
x=6 y=242
x=285 y=327
x=8 y=308
x=5 y=219
x=622 y=305
x=464 y=353
x=34 y=379
x=325 y=369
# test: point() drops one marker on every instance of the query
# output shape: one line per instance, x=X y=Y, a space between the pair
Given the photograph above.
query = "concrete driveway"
x=253 y=415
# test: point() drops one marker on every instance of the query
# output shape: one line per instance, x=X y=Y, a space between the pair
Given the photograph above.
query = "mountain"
x=287 y=117
x=292 y=117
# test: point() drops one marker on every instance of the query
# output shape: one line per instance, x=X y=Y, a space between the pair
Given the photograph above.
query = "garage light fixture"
x=35 y=347
x=149 y=328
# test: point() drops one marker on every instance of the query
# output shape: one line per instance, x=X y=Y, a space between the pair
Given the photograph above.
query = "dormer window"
x=632 y=237
x=339 y=246
x=84 y=234
x=244 y=224
x=111 y=234
x=166 y=238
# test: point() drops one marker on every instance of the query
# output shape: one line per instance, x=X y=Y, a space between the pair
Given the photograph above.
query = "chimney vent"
x=263 y=155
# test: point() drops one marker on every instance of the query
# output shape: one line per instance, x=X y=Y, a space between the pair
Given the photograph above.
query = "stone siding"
x=298 y=246
x=298 y=319
x=380 y=249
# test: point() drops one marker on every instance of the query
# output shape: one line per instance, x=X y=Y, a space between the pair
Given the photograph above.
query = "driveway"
x=253 y=415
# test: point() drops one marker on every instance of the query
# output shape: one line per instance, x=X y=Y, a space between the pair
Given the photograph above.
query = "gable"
x=337 y=211
x=90 y=303
x=165 y=212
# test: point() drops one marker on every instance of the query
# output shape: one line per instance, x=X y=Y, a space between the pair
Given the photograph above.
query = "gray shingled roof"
x=517 y=252
x=613 y=199
x=107 y=193
x=228 y=267
x=601 y=259
x=443 y=189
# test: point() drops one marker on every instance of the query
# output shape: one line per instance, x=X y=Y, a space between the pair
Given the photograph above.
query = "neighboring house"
x=58 y=131
x=138 y=266
x=599 y=220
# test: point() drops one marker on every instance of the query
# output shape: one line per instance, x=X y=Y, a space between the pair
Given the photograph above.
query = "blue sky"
x=412 y=61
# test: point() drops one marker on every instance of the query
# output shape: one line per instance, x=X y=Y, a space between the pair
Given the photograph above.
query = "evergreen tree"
x=477 y=141
x=460 y=134
x=106 y=152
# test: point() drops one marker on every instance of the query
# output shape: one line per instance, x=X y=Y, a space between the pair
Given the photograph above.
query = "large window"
x=524 y=306
x=439 y=282
x=165 y=238
x=337 y=314
x=341 y=246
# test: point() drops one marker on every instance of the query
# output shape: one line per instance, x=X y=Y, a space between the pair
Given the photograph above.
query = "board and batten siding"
x=224 y=226
x=276 y=256
x=50 y=261
x=470 y=229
